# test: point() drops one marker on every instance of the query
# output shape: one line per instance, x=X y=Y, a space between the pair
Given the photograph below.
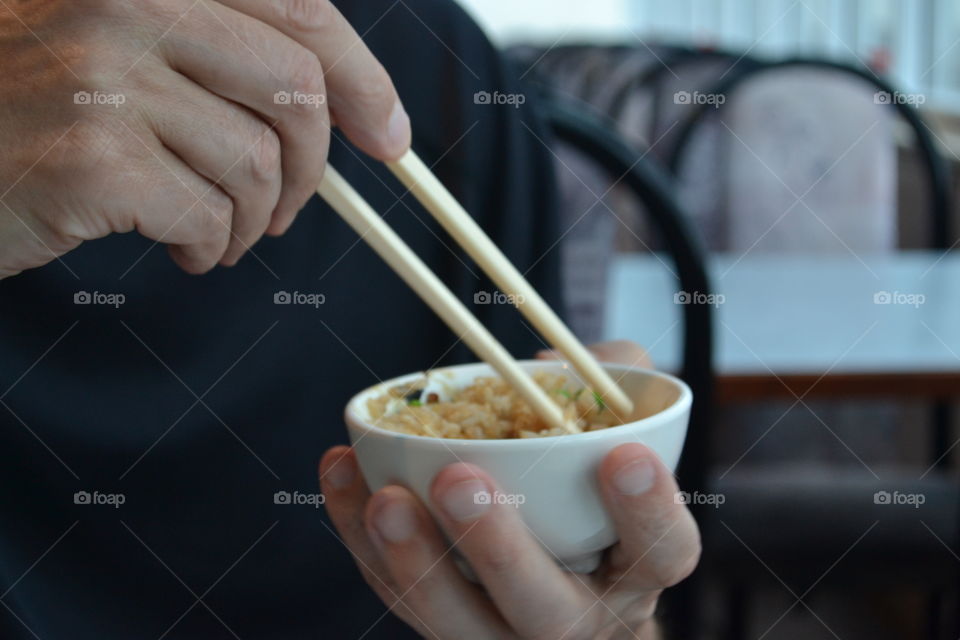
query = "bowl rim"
x=679 y=406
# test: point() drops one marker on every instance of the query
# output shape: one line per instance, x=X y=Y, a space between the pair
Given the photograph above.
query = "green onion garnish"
x=601 y=405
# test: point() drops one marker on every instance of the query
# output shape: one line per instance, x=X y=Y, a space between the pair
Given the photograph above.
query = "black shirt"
x=199 y=398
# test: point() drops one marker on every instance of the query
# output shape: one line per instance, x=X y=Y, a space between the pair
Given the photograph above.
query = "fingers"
x=401 y=554
x=530 y=591
x=392 y=534
x=250 y=63
x=622 y=352
x=346 y=498
x=423 y=569
x=361 y=95
x=659 y=540
x=613 y=351
x=132 y=181
x=177 y=206
x=229 y=146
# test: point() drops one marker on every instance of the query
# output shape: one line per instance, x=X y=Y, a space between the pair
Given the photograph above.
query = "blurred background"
x=762 y=193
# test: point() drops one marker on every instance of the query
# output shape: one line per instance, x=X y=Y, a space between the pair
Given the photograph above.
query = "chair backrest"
x=803 y=160
x=936 y=168
x=858 y=204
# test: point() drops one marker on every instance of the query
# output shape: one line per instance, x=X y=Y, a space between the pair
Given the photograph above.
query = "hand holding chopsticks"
x=418 y=178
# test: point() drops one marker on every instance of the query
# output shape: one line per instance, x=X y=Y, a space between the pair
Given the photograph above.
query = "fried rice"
x=487 y=409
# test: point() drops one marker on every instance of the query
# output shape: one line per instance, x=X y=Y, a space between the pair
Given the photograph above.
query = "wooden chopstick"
x=431 y=193
x=351 y=206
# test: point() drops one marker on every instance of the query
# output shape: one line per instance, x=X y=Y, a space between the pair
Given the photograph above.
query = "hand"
x=201 y=125
x=405 y=558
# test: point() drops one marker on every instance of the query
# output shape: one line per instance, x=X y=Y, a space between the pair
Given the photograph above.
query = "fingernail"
x=395 y=522
x=634 y=478
x=398 y=128
x=466 y=500
x=341 y=472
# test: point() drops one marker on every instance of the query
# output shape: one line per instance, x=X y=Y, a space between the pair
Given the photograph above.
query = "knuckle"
x=306 y=81
x=307 y=15
x=214 y=214
x=90 y=159
x=197 y=262
x=67 y=228
x=263 y=161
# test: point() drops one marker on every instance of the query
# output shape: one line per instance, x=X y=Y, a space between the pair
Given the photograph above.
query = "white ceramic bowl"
x=556 y=476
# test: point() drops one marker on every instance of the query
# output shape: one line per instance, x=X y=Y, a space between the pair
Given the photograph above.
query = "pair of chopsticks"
x=431 y=193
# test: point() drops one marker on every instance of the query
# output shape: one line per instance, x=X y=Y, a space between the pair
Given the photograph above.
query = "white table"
x=789 y=320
